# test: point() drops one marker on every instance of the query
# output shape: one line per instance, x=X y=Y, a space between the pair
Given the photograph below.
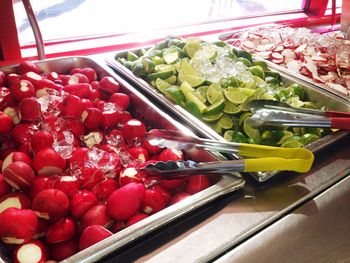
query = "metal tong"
x=279 y=114
x=262 y=158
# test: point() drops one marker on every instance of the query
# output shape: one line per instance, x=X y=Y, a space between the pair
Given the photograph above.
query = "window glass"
x=62 y=19
x=338 y=3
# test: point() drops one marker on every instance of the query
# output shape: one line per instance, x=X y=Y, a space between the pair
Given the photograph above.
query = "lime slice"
x=186 y=67
x=242 y=118
x=287 y=135
x=250 y=132
x=239 y=137
x=192 y=108
x=212 y=118
x=257 y=71
x=260 y=63
x=298 y=90
x=231 y=108
x=310 y=105
x=171 y=80
x=226 y=122
x=202 y=91
x=165 y=67
x=170 y=55
x=250 y=84
x=209 y=51
x=216 y=107
x=228 y=135
x=292 y=144
x=194 y=80
x=186 y=89
x=216 y=127
x=214 y=93
x=175 y=94
x=235 y=95
x=131 y=56
x=308 y=138
x=245 y=61
x=192 y=46
x=191 y=97
x=161 y=75
x=200 y=96
x=161 y=85
x=273 y=74
x=295 y=102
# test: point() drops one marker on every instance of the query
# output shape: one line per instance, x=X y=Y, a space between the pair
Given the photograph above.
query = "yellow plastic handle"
x=270 y=158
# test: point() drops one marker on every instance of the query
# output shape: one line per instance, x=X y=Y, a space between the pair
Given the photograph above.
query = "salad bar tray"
x=155 y=118
x=315 y=95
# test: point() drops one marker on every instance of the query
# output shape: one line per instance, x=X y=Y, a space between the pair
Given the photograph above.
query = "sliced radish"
x=277 y=56
x=278 y=48
x=249 y=45
x=294 y=66
x=264 y=54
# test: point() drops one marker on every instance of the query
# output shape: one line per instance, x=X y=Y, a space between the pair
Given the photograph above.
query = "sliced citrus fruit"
x=214 y=93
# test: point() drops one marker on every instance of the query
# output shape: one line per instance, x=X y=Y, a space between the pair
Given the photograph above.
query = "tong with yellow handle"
x=260 y=157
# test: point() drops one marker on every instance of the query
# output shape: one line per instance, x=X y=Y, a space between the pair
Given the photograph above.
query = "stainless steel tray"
x=320 y=97
x=154 y=117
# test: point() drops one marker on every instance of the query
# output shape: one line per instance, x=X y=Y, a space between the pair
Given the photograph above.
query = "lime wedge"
x=250 y=84
x=161 y=75
x=191 y=97
x=194 y=80
x=216 y=107
x=250 y=132
x=202 y=91
x=257 y=71
x=131 y=56
x=186 y=67
x=308 y=138
x=186 y=89
x=236 y=95
x=245 y=61
x=310 y=105
x=228 y=135
x=260 y=63
x=292 y=144
x=171 y=80
x=231 y=108
x=200 y=96
x=192 y=108
x=165 y=67
x=239 y=137
x=216 y=127
x=162 y=85
x=214 y=93
x=295 y=102
x=209 y=51
x=212 y=118
x=170 y=55
x=192 y=46
x=175 y=94
x=226 y=122
x=287 y=135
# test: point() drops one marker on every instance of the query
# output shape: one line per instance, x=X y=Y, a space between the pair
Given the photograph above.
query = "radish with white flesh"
x=16 y=157
x=153 y=201
x=60 y=231
x=82 y=90
x=12 y=78
x=78 y=78
x=45 y=87
x=108 y=86
x=5 y=188
x=5 y=97
x=92 y=235
x=32 y=77
x=48 y=161
x=125 y=201
x=133 y=129
x=28 y=66
x=30 y=109
x=19 y=175
x=16 y=200
x=31 y=252
x=139 y=153
x=42 y=182
x=51 y=204
x=41 y=140
x=71 y=107
x=129 y=174
x=97 y=215
x=13 y=112
x=88 y=72
x=11 y=219
x=6 y=123
x=121 y=100
x=170 y=155
x=68 y=185
x=63 y=250
x=22 y=89
x=81 y=202
x=92 y=118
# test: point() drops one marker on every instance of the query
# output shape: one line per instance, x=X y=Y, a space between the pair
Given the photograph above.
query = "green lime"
x=186 y=88
x=239 y=137
x=228 y=135
x=157 y=60
x=250 y=131
x=273 y=74
x=161 y=85
x=171 y=55
x=272 y=81
x=310 y=105
x=246 y=55
x=295 y=102
x=214 y=93
x=250 y=84
x=171 y=80
x=226 y=122
x=238 y=95
x=202 y=90
x=231 y=108
x=191 y=97
x=131 y=56
x=148 y=65
x=212 y=118
x=242 y=118
x=245 y=61
x=216 y=107
x=175 y=94
x=257 y=71
x=209 y=51
x=216 y=127
x=162 y=75
x=194 y=80
x=260 y=63
x=292 y=144
x=192 y=108
x=219 y=43
x=313 y=130
x=199 y=96
x=138 y=69
x=186 y=67
x=308 y=138
x=165 y=68
x=286 y=135
x=192 y=46
x=298 y=90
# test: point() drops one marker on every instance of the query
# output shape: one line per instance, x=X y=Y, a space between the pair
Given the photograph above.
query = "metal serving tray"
x=320 y=97
x=153 y=117
x=277 y=67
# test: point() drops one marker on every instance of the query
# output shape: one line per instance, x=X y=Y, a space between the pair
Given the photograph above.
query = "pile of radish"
x=70 y=157
x=323 y=58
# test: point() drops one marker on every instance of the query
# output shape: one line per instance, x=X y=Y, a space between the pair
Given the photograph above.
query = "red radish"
x=41 y=140
x=41 y=183
x=79 y=157
x=63 y=79
x=133 y=128
x=6 y=123
x=23 y=133
x=178 y=197
x=143 y=174
x=104 y=189
x=172 y=184
x=136 y=218
x=22 y=89
x=2 y=79
x=121 y=100
x=44 y=87
x=16 y=200
x=88 y=72
x=63 y=250
x=68 y=185
x=125 y=201
x=92 y=235
x=27 y=66
x=109 y=86
x=197 y=183
x=110 y=118
x=78 y=78
x=118 y=226
x=30 y=109
x=125 y=116
x=19 y=175
x=13 y=112
x=97 y=215
x=95 y=85
x=5 y=97
x=170 y=155
x=12 y=78
x=82 y=90
x=92 y=118
x=75 y=127
x=33 y=251
x=51 y=204
x=48 y=161
x=166 y=195
x=43 y=226
x=90 y=176
x=93 y=139
x=87 y=103
x=32 y=77
x=11 y=219
x=60 y=231
x=16 y=157
x=129 y=174
x=81 y=202
x=71 y=107
x=139 y=152
x=94 y=95
x=53 y=76
x=5 y=188
x=153 y=201
x=25 y=148
x=151 y=149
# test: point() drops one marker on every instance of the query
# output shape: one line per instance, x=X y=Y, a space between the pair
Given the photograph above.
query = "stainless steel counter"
x=241 y=223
